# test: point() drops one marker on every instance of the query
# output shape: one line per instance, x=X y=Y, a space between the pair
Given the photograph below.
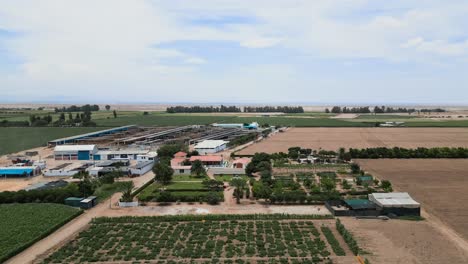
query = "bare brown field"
x=334 y=138
x=404 y=242
x=440 y=185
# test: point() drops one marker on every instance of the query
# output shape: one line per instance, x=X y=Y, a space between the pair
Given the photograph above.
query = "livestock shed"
x=210 y=146
x=141 y=168
x=75 y=152
x=74 y=139
x=397 y=203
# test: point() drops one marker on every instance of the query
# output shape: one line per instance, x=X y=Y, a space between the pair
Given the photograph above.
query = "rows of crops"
x=23 y=224
x=212 y=241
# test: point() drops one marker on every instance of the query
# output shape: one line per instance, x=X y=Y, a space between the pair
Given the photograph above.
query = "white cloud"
x=99 y=45
x=260 y=43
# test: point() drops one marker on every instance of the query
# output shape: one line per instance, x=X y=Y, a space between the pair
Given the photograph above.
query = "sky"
x=231 y=51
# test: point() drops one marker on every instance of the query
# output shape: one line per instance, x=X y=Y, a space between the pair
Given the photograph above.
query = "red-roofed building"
x=241 y=163
x=177 y=161
x=180 y=154
x=209 y=160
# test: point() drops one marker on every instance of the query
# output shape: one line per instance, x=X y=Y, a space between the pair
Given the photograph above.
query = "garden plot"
x=267 y=239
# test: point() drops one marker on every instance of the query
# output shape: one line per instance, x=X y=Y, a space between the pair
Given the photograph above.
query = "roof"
x=242 y=160
x=181 y=167
x=115 y=129
x=395 y=199
x=357 y=204
x=118 y=152
x=177 y=161
x=73 y=199
x=366 y=178
x=180 y=154
x=16 y=170
x=210 y=144
x=75 y=148
x=143 y=164
x=207 y=158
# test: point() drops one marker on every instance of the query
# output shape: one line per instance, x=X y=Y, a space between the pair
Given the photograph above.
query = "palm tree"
x=239 y=184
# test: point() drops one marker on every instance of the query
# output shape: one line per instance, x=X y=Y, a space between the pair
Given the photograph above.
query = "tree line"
x=403 y=153
x=268 y=109
x=203 y=109
x=234 y=109
x=74 y=108
x=379 y=110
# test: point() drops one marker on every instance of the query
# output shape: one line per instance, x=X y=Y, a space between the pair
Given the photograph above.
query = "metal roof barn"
x=401 y=200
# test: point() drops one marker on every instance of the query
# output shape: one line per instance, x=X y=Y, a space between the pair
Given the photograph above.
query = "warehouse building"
x=75 y=152
x=130 y=154
x=210 y=146
x=397 y=203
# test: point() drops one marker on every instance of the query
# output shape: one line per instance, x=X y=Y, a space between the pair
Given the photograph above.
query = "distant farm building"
x=210 y=146
x=75 y=152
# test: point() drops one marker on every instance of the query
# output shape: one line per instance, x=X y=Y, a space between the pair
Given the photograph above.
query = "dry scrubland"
x=440 y=185
x=334 y=138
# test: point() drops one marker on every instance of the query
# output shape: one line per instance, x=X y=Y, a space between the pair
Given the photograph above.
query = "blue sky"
x=259 y=51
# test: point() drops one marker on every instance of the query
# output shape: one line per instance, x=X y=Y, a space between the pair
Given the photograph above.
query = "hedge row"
x=348 y=237
x=211 y=217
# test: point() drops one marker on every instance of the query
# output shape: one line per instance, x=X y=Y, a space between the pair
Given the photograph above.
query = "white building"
x=141 y=168
x=210 y=146
x=75 y=152
x=150 y=156
x=129 y=154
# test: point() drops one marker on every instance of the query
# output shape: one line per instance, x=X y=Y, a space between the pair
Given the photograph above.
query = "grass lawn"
x=14 y=139
x=228 y=178
x=195 y=186
x=107 y=190
x=163 y=120
x=176 y=178
x=24 y=224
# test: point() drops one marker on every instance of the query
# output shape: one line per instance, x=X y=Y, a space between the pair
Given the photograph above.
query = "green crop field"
x=163 y=120
x=14 y=139
x=386 y=117
x=198 y=239
x=23 y=224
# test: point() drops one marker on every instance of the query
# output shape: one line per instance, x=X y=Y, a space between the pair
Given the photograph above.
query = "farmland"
x=334 y=138
x=440 y=185
x=23 y=224
x=14 y=139
x=215 y=239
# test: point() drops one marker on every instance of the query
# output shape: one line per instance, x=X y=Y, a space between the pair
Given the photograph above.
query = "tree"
x=213 y=185
x=163 y=173
x=355 y=169
x=169 y=150
x=86 y=187
x=198 y=169
x=115 y=114
x=239 y=184
x=127 y=194
x=327 y=184
x=213 y=198
x=261 y=190
x=108 y=107
x=386 y=185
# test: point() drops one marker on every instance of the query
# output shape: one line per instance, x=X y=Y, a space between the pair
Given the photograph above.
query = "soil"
x=335 y=138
